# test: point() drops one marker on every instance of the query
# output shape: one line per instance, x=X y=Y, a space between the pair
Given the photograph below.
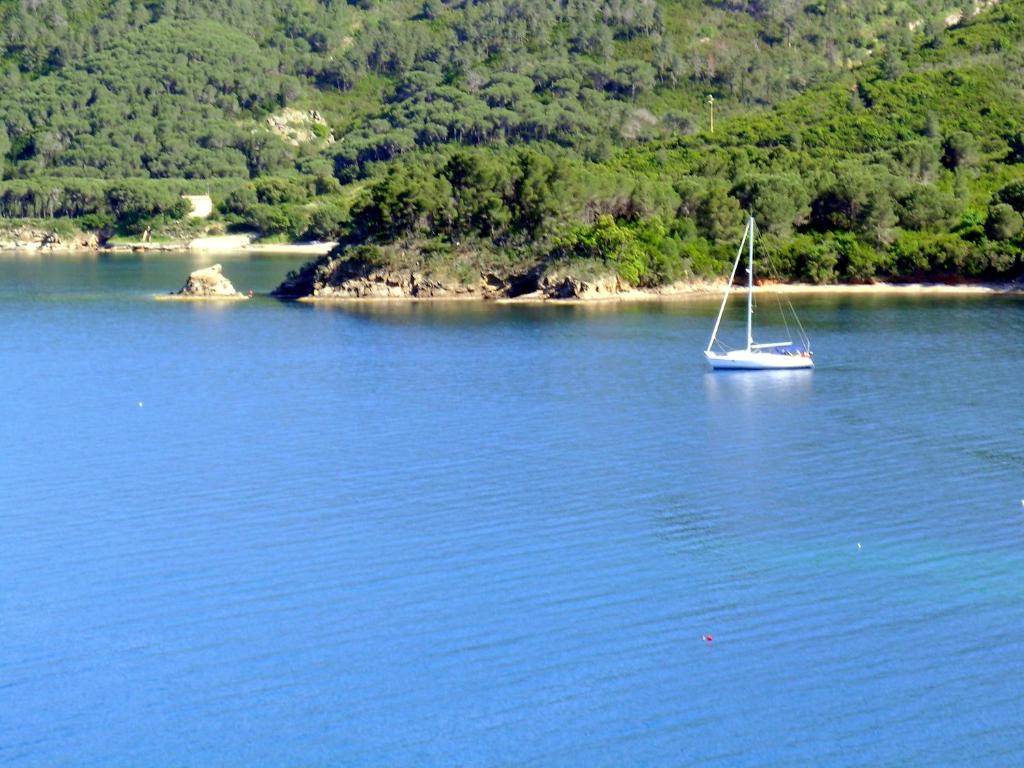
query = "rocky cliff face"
x=297 y=127
x=393 y=284
x=570 y=287
x=35 y=239
x=209 y=283
x=338 y=277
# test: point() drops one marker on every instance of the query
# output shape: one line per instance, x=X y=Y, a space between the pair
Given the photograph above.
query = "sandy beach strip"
x=713 y=291
x=229 y=243
x=933 y=289
x=177 y=297
x=703 y=291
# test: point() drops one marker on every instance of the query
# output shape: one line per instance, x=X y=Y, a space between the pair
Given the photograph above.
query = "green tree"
x=1013 y=195
x=537 y=190
x=241 y=201
x=960 y=150
x=893 y=65
x=408 y=200
x=432 y=9
x=5 y=147
x=479 y=188
x=923 y=206
x=276 y=220
x=1015 y=142
x=274 y=191
x=609 y=242
x=327 y=223
x=779 y=202
x=818 y=263
x=934 y=31
x=719 y=215
x=878 y=217
x=922 y=159
x=1003 y=223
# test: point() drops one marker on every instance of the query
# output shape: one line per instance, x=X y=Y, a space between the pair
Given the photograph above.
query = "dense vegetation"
x=867 y=139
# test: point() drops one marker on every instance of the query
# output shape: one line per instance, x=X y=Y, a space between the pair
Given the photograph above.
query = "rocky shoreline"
x=341 y=279
x=38 y=240
x=337 y=279
x=34 y=239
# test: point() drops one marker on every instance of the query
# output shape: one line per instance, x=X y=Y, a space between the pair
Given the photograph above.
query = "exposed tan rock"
x=493 y=286
x=34 y=239
x=87 y=240
x=392 y=284
x=209 y=283
x=296 y=127
x=333 y=281
x=569 y=287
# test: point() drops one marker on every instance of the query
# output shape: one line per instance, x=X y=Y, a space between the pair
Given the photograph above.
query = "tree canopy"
x=868 y=140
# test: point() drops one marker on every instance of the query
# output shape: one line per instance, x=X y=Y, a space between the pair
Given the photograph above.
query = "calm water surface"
x=430 y=535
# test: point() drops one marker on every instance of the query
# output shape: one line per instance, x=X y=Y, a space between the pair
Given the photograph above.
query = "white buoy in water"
x=140 y=403
x=858 y=545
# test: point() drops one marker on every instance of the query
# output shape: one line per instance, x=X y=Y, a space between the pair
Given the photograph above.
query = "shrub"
x=1013 y=195
x=960 y=150
x=818 y=264
x=276 y=220
x=327 y=222
x=1002 y=222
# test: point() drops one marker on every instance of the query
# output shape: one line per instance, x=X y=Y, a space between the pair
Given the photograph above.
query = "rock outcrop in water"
x=209 y=283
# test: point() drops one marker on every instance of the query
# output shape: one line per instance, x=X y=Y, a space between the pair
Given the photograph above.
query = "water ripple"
x=497 y=535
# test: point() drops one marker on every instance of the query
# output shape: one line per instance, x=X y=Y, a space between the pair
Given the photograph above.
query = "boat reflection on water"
x=763 y=388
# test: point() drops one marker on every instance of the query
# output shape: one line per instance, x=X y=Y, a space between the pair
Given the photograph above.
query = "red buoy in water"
x=708 y=638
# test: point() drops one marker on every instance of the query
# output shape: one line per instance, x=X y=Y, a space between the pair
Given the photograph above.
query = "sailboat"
x=771 y=356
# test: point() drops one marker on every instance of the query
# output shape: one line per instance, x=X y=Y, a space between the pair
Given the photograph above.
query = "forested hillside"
x=867 y=138
x=174 y=87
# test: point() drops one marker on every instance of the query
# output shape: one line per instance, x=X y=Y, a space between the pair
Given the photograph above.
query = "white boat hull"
x=744 y=360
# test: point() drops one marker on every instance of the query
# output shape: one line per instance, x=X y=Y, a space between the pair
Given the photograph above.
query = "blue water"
x=440 y=535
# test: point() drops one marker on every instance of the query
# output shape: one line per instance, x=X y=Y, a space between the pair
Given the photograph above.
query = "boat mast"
x=750 y=286
x=725 y=298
